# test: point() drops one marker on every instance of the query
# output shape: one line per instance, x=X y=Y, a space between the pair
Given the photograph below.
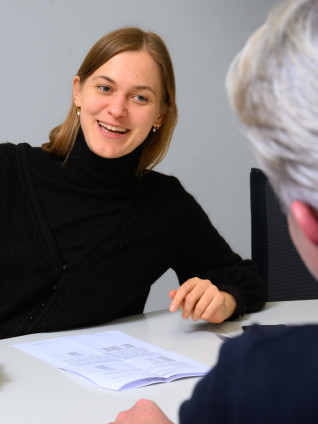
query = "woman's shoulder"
x=21 y=148
x=168 y=190
x=11 y=153
x=9 y=147
x=9 y=158
x=162 y=182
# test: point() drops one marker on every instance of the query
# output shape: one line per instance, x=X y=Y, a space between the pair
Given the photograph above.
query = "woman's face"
x=120 y=102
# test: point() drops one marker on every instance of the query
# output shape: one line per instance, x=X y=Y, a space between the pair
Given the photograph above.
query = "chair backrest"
x=272 y=249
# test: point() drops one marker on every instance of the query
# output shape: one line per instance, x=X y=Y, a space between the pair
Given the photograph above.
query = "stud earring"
x=78 y=110
x=154 y=129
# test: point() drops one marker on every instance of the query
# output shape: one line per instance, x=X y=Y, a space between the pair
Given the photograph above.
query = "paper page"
x=114 y=360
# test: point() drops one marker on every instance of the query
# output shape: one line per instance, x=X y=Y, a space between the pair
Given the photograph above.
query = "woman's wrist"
x=230 y=304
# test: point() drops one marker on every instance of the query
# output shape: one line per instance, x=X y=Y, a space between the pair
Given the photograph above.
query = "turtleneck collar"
x=87 y=169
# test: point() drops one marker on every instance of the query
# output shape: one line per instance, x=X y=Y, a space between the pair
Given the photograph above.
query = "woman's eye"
x=141 y=99
x=104 y=88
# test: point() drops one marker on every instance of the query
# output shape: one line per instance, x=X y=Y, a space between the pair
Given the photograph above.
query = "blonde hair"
x=156 y=145
x=272 y=85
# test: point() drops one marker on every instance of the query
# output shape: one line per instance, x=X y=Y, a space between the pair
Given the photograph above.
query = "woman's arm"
x=216 y=283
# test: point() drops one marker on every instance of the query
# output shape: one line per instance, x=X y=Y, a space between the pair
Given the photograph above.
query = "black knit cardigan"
x=159 y=226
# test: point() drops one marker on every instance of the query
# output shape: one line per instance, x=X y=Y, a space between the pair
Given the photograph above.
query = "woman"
x=87 y=226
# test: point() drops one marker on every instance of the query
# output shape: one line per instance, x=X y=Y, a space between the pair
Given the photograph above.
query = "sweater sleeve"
x=202 y=252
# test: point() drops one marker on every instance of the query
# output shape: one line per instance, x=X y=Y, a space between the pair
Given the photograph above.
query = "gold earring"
x=154 y=128
x=78 y=108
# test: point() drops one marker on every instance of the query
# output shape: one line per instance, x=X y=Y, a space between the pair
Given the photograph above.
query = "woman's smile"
x=111 y=130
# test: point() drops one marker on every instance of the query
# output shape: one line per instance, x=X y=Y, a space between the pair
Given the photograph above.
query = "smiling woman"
x=87 y=226
x=120 y=103
x=108 y=52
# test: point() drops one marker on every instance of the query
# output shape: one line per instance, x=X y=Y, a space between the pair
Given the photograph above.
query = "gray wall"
x=42 y=43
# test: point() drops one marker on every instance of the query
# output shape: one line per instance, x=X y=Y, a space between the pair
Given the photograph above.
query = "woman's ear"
x=161 y=117
x=158 y=122
x=307 y=220
x=76 y=91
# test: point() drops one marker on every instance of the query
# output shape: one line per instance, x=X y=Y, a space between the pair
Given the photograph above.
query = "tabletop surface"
x=32 y=391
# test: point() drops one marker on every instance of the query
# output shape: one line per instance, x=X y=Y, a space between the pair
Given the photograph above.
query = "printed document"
x=114 y=360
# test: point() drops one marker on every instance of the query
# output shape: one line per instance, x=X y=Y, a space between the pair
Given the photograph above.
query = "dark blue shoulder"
x=260 y=341
x=270 y=374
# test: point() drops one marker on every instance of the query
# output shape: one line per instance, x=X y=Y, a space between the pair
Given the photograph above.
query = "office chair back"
x=272 y=249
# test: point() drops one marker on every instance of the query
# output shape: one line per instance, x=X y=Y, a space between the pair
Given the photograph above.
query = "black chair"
x=272 y=249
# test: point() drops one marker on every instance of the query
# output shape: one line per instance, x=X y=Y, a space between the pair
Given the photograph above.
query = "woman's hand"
x=143 y=412
x=202 y=300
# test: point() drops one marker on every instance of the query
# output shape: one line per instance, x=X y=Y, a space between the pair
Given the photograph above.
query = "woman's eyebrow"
x=138 y=87
x=105 y=78
x=145 y=87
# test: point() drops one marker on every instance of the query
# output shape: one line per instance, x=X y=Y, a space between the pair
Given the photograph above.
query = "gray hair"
x=272 y=85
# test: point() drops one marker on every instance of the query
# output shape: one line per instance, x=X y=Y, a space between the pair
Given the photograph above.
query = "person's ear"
x=158 y=122
x=160 y=118
x=76 y=91
x=307 y=220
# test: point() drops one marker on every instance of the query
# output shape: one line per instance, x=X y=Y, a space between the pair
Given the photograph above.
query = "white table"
x=291 y=312
x=33 y=392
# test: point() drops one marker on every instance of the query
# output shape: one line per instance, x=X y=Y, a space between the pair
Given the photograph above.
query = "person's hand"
x=201 y=299
x=143 y=412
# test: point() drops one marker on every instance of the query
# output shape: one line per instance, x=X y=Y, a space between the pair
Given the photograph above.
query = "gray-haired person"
x=270 y=376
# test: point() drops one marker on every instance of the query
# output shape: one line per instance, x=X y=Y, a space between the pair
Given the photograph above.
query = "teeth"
x=111 y=128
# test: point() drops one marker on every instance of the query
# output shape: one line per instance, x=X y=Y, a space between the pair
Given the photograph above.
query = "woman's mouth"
x=111 y=129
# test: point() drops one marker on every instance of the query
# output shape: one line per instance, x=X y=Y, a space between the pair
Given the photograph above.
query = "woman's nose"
x=117 y=106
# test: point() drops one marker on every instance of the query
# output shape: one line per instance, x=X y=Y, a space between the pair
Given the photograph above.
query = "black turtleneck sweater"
x=82 y=242
x=81 y=196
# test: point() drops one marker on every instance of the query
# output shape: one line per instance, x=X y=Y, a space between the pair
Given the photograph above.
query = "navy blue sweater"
x=266 y=376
